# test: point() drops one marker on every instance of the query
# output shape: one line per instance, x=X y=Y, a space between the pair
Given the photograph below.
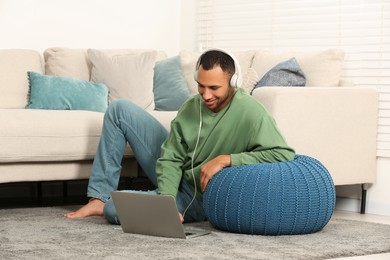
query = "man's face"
x=214 y=87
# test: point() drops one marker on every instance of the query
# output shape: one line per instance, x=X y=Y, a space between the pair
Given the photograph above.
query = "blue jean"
x=126 y=122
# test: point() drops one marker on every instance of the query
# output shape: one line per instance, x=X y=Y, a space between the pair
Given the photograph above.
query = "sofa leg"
x=39 y=194
x=65 y=192
x=363 y=199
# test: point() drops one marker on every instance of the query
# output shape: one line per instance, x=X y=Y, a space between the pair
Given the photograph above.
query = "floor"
x=30 y=199
x=368 y=218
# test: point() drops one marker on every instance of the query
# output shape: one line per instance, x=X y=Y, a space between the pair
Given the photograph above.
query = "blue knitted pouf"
x=283 y=198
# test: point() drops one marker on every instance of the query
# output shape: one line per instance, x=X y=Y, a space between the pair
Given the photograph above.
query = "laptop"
x=150 y=214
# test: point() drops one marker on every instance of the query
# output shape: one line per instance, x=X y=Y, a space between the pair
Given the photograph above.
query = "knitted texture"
x=283 y=198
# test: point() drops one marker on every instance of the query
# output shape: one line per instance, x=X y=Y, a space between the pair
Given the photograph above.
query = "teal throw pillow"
x=169 y=85
x=285 y=74
x=61 y=93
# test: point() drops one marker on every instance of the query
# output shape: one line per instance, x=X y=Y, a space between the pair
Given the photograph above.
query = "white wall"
x=188 y=25
x=39 y=24
x=378 y=195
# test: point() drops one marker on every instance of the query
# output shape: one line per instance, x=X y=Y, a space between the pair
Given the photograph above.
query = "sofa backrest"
x=74 y=63
x=128 y=73
x=14 y=64
x=321 y=68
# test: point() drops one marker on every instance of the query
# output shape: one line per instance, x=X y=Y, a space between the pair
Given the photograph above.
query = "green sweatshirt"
x=244 y=129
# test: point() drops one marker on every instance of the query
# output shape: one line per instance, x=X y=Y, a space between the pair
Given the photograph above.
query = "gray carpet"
x=42 y=233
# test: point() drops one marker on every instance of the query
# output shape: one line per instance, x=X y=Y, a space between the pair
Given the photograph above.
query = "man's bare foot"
x=93 y=208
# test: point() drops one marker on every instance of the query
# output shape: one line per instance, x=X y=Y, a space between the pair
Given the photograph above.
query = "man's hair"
x=213 y=58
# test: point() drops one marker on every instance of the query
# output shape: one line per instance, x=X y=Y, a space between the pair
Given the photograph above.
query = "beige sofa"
x=326 y=120
x=49 y=145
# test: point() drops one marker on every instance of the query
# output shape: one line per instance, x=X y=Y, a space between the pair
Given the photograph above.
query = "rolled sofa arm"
x=336 y=125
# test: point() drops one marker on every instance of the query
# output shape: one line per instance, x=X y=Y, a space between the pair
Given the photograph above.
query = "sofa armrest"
x=338 y=126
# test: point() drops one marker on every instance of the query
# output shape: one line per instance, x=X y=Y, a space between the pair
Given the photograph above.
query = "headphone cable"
x=192 y=159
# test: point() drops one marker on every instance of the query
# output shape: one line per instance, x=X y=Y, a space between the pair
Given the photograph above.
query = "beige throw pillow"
x=188 y=61
x=127 y=76
x=67 y=62
x=249 y=80
x=14 y=64
x=74 y=63
x=321 y=68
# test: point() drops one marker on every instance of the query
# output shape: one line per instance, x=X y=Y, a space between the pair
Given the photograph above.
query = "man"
x=221 y=127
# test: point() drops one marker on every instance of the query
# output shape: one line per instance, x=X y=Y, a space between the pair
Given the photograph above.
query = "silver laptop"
x=150 y=214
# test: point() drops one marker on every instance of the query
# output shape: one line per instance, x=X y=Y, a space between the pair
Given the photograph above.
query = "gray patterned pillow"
x=285 y=74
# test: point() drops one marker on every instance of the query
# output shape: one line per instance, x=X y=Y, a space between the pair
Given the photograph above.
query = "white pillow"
x=188 y=61
x=127 y=76
x=74 y=63
x=67 y=62
x=14 y=64
x=321 y=68
x=250 y=80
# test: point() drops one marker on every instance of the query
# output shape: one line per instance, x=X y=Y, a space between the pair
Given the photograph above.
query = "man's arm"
x=169 y=166
x=265 y=144
x=208 y=170
x=261 y=155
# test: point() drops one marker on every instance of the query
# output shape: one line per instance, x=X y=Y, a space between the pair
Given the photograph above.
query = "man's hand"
x=181 y=217
x=208 y=170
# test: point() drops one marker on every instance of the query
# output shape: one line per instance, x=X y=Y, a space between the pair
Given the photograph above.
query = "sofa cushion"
x=188 y=61
x=127 y=76
x=49 y=135
x=62 y=93
x=322 y=68
x=164 y=117
x=169 y=85
x=32 y=135
x=285 y=74
x=69 y=62
x=14 y=65
x=250 y=80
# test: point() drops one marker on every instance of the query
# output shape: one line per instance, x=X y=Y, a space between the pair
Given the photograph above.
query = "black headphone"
x=235 y=80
